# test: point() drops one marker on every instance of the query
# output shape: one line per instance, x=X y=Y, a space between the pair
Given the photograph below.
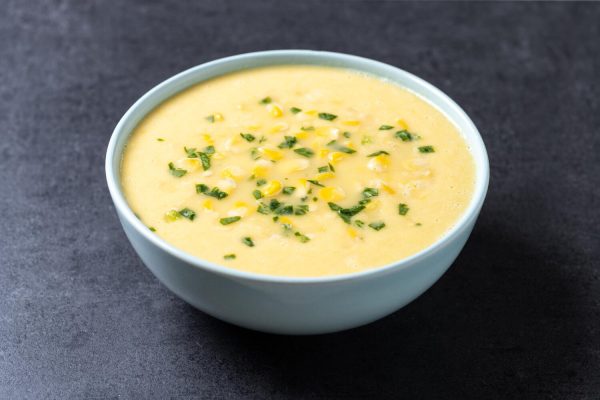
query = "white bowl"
x=290 y=305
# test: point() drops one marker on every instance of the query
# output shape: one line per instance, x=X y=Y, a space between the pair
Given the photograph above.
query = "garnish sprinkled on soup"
x=298 y=171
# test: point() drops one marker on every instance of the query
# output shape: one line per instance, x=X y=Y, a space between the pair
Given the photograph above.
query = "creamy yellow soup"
x=298 y=171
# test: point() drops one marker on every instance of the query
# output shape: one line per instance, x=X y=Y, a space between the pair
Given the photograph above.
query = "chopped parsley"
x=346 y=213
x=160 y=139
x=315 y=182
x=426 y=149
x=288 y=142
x=288 y=190
x=366 y=140
x=254 y=153
x=323 y=169
x=378 y=153
x=403 y=209
x=248 y=137
x=257 y=194
x=331 y=167
x=406 y=136
x=327 y=116
x=261 y=182
x=153 y=229
x=295 y=110
x=359 y=223
x=214 y=192
x=370 y=192
x=229 y=256
x=266 y=100
x=303 y=238
x=229 y=220
x=178 y=172
x=210 y=150
x=335 y=145
x=385 y=127
x=379 y=225
x=347 y=134
x=203 y=156
x=308 y=128
x=305 y=152
x=301 y=209
x=262 y=139
x=187 y=213
x=211 y=118
x=248 y=241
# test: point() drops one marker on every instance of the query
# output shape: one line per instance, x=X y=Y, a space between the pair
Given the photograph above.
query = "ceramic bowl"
x=290 y=305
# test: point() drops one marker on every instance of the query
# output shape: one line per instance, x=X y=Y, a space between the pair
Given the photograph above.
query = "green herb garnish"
x=301 y=209
x=331 y=167
x=341 y=148
x=257 y=194
x=261 y=182
x=288 y=190
x=266 y=100
x=378 y=153
x=248 y=137
x=346 y=213
x=301 y=237
x=187 y=213
x=248 y=241
x=254 y=153
x=288 y=143
x=262 y=139
x=347 y=135
x=229 y=220
x=205 y=159
x=229 y=256
x=370 y=192
x=210 y=150
x=210 y=118
x=323 y=169
x=385 y=127
x=305 y=152
x=178 y=172
x=295 y=110
x=359 y=223
x=160 y=139
x=403 y=209
x=263 y=209
x=377 y=225
x=214 y=192
x=366 y=140
x=426 y=149
x=315 y=182
x=406 y=136
x=307 y=128
x=327 y=116
x=284 y=210
x=153 y=229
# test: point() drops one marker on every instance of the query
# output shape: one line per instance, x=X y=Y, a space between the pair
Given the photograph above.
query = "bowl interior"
x=227 y=65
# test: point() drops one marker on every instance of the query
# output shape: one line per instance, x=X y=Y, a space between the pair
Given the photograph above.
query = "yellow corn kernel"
x=285 y=220
x=352 y=232
x=274 y=110
x=260 y=170
x=207 y=204
x=327 y=132
x=323 y=176
x=351 y=122
x=372 y=205
x=218 y=156
x=332 y=193
x=402 y=123
x=388 y=188
x=240 y=204
x=323 y=153
x=294 y=165
x=272 y=188
x=271 y=154
x=302 y=134
x=335 y=157
x=207 y=138
x=172 y=215
x=279 y=127
x=191 y=164
x=218 y=117
x=311 y=112
x=234 y=173
x=379 y=163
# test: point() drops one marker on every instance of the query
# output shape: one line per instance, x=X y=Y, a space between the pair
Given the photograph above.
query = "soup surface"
x=298 y=171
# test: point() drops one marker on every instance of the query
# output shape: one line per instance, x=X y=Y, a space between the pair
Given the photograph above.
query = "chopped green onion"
x=426 y=149
x=305 y=152
x=359 y=223
x=406 y=136
x=288 y=143
x=229 y=256
x=210 y=118
x=257 y=194
x=214 y=192
x=295 y=110
x=178 y=172
x=261 y=182
x=308 y=128
x=315 y=182
x=331 y=167
x=229 y=220
x=370 y=192
x=187 y=213
x=378 y=153
x=366 y=140
x=347 y=135
x=153 y=229
x=301 y=237
x=323 y=169
x=327 y=116
x=377 y=225
x=248 y=241
x=301 y=209
x=248 y=137
x=288 y=190
x=385 y=127
x=266 y=100
x=341 y=148
x=403 y=209
x=160 y=139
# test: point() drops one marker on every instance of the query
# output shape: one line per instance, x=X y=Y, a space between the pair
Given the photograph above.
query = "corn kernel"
x=207 y=204
x=218 y=117
x=302 y=134
x=272 y=188
x=335 y=157
x=332 y=193
x=323 y=153
x=402 y=123
x=388 y=188
x=207 y=138
x=274 y=110
x=285 y=220
x=352 y=232
x=311 y=112
x=172 y=215
x=328 y=132
x=271 y=154
x=279 y=128
x=261 y=168
x=379 y=163
x=323 y=176
x=351 y=122
x=372 y=205
x=235 y=173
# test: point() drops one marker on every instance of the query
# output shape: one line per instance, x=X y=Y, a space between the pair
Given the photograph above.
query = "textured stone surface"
x=518 y=316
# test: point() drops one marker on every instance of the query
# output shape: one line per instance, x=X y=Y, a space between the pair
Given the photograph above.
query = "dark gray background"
x=517 y=316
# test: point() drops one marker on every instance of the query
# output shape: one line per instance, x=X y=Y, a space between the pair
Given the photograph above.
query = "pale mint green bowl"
x=283 y=304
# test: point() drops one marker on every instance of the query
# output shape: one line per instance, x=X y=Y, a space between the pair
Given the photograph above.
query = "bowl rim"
x=329 y=58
